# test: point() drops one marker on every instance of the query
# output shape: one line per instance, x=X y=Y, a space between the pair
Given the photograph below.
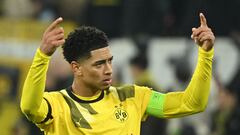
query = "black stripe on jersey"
x=77 y=117
x=125 y=92
x=49 y=115
x=89 y=108
x=69 y=91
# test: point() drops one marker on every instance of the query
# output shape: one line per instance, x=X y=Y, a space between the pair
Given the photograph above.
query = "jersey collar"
x=70 y=93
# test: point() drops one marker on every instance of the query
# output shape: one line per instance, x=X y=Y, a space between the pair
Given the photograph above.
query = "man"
x=91 y=105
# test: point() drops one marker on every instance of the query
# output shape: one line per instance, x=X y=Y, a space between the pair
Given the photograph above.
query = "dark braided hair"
x=82 y=41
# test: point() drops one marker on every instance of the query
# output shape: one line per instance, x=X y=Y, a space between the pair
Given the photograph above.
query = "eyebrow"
x=103 y=61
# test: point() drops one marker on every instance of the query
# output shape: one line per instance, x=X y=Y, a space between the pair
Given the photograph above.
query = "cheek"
x=93 y=74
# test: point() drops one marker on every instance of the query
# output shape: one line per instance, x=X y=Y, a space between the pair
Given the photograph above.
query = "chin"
x=105 y=87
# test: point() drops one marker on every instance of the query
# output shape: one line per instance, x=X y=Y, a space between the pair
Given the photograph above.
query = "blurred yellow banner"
x=27 y=29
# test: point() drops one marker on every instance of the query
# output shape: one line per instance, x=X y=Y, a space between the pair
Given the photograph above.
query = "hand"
x=53 y=37
x=203 y=35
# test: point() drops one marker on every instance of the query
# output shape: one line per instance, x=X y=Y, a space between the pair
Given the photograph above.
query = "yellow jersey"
x=115 y=111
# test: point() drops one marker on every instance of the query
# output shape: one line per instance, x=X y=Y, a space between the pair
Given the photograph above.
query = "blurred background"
x=150 y=41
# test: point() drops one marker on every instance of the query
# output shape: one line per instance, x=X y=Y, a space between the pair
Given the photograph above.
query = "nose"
x=108 y=69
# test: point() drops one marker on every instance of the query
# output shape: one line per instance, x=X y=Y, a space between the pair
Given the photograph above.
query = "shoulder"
x=130 y=87
x=53 y=96
x=129 y=91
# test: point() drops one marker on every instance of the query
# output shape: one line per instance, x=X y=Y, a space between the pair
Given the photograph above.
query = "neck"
x=83 y=90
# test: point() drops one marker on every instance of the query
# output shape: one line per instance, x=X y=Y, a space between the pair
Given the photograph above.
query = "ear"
x=76 y=68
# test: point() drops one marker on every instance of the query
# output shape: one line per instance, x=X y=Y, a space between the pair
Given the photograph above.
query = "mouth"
x=107 y=81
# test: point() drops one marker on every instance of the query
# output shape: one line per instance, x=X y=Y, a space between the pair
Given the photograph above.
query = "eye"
x=98 y=65
x=110 y=61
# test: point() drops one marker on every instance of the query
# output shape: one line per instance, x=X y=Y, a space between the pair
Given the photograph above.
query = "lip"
x=107 y=81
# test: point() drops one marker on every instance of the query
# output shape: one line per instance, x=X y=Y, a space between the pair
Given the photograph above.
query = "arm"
x=194 y=99
x=33 y=105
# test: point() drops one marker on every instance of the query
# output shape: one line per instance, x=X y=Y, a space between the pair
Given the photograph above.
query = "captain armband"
x=155 y=105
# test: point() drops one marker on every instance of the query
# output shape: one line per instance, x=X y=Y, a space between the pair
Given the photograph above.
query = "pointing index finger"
x=203 y=20
x=54 y=24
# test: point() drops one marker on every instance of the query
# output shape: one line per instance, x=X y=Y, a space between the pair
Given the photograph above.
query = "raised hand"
x=53 y=37
x=203 y=35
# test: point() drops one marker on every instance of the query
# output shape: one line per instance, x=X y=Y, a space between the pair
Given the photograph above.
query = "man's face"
x=97 y=70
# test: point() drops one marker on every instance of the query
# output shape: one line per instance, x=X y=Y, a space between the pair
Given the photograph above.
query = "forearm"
x=32 y=103
x=194 y=99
